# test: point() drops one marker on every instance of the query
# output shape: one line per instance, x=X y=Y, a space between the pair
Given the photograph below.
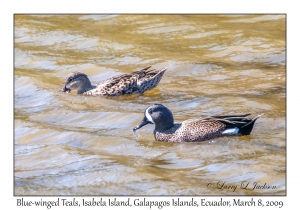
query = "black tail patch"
x=246 y=129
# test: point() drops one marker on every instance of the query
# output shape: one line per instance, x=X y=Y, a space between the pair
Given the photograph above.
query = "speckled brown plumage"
x=191 y=130
x=194 y=129
x=135 y=83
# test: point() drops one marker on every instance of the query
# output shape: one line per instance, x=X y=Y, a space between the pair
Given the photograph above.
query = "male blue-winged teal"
x=195 y=129
x=136 y=82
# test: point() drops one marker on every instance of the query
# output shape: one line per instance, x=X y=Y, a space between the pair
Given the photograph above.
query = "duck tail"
x=246 y=129
x=162 y=71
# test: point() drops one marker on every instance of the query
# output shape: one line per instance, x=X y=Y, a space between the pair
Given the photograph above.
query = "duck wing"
x=241 y=122
x=124 y=77
x=124 y=83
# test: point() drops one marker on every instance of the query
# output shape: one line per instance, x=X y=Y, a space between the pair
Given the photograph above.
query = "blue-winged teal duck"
x=196 y=129
x=137 y=82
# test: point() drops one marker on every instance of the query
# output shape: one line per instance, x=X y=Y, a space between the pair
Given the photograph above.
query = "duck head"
x=159 y=115
x=76 y=80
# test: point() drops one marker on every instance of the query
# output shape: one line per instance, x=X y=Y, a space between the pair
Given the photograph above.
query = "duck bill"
x=143 y=123
x=65 y=89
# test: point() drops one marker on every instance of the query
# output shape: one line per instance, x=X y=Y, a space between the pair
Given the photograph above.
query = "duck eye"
x=71 y=79
x=150 y=111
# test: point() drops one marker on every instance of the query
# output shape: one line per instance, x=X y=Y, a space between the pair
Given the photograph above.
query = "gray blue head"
x=159 y=115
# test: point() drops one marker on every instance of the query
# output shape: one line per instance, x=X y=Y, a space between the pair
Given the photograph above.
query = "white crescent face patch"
x=148 y=115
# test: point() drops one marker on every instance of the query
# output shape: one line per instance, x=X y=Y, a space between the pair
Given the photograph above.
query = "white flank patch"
x=231 y=131
x=148 y=116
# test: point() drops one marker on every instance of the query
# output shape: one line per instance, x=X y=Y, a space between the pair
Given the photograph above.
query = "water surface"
x=67 y=144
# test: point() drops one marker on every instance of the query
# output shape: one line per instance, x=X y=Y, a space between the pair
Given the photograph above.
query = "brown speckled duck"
x=195 y=129
x=134 y=83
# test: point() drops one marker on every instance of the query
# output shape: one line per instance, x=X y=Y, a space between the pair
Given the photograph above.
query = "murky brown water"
x=66 y=144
